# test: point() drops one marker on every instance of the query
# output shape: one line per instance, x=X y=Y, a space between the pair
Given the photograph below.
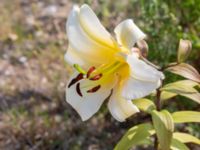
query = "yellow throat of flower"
x=98 y=77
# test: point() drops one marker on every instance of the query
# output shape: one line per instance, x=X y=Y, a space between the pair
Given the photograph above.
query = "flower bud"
x=185 y=46
x=143 y=46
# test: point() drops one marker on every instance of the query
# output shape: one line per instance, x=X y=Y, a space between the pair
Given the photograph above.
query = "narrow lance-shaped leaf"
x=186 y=116
x=181 y=87
x=178 y=145
x=184 y=88
x=186 y=138
x=164 y=127
x=167 y=95
x=194 y=96
x=144 y=104
x=185 y=70
x=135 y=136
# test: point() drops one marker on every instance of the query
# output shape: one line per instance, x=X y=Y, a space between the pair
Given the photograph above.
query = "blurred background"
x=33 y=74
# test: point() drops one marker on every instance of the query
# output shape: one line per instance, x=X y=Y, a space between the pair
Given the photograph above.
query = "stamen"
x=79 y=69
x=78 y=90
x=94 y=89
x=96 y=77
x=100 y=76
x=75 y=80
x=80 y=76
x=90 y=71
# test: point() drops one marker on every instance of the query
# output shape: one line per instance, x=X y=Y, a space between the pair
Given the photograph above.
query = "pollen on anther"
x=78 y=90
x=90 y=71
x=75 y=80
x=96 y=77
x=94 y=89
x=80 y=76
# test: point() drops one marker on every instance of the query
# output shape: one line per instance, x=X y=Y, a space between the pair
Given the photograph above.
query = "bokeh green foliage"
x=165 y=22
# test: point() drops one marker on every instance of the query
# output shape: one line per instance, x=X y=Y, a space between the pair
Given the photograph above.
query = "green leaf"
x=189 y=83
x=134 y=136
x=186 y=116
x=147 y=141
x=167 y=95
x=181 y=87
x=177 y=145
x=186 y=138
x=184 y=49
x=184 y=88
x=194 y=96
x=185 y=70
x=144 y=104
x=164 y=127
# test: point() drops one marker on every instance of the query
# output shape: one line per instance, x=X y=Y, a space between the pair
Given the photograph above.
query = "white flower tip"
x=128 y=33
x=72 y=13
x=162 y=76
x=84 y=118
x=85 y=6
x=138 y=33
x=135 y=29
x=75 y=7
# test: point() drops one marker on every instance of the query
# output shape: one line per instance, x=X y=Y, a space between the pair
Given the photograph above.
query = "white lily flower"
x=113 y=70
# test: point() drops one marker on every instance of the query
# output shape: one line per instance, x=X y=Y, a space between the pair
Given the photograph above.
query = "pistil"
x=99 y=76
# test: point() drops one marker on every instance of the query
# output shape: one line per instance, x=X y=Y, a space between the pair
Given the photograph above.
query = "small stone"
x=12 y=36
x=23 y=59
x=50 y=10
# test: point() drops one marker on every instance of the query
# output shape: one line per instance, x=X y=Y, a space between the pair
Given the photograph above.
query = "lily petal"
x=94 y=28
x=134 y=89
x=143 y=79
x=73 y=58
x=83 y=32
x=87 y=103
x=128 y=33
x=119 y=107
x=142 y=71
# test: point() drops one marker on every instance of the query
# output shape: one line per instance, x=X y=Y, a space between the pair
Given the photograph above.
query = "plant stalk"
x=158 y=102
x=158 y=108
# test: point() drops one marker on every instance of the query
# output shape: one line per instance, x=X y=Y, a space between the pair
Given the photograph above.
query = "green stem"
x=158 y=103
x=158 y=108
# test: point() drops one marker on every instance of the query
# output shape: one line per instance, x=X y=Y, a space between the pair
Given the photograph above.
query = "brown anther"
x=80 y=76
x=94 y=89
x=90 y=71
x=96 y=77
x=75 y=80
x=78 y=90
